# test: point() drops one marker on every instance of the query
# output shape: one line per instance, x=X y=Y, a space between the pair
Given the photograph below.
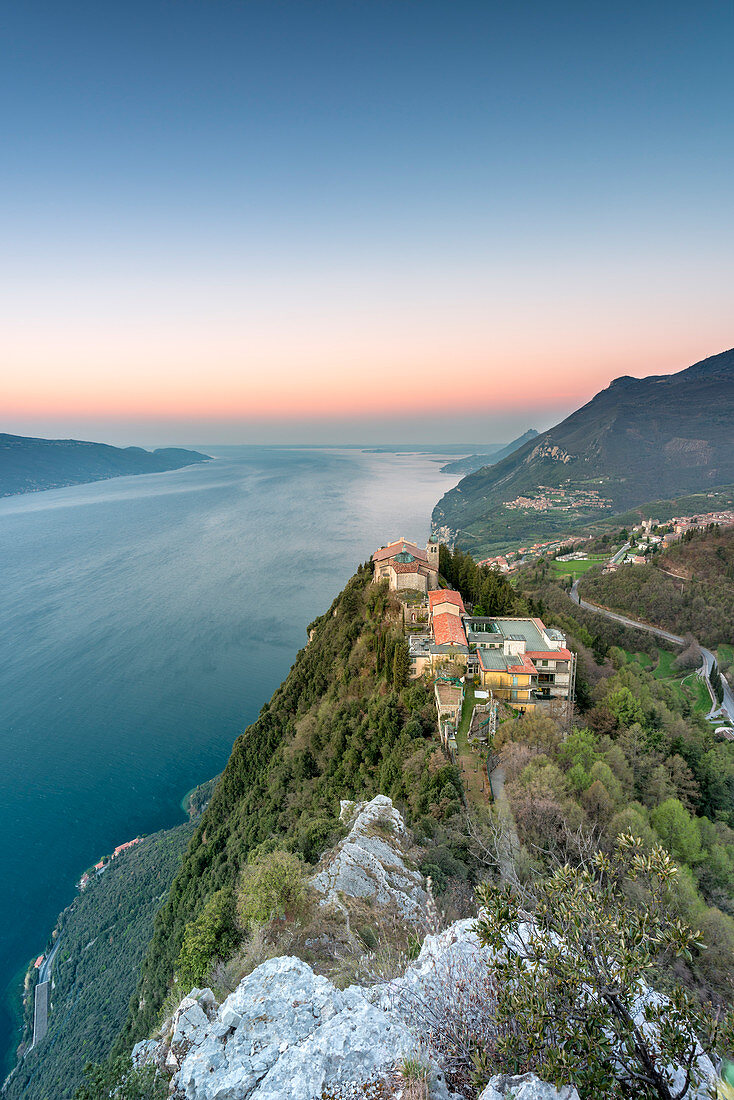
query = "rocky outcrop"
x=285 y=1031
x=372 y=862
x=526 y=1087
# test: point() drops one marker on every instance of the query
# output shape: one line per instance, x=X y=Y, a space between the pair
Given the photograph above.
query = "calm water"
x=143 y=623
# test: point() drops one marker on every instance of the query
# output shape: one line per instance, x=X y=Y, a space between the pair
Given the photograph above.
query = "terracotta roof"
x=398 y=547
x=447 y=629
x=527 y=667
x=445 y=595
x=408 y=567
x=550 y=654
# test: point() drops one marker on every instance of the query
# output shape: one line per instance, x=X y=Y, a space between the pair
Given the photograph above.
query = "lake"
x=144 y=621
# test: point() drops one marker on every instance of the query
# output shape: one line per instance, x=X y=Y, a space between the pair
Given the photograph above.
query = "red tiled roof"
x=445 y=595
x=447 y=629
x=394 y=548
x=409 y=567
x=550 y=654
x=527 y=667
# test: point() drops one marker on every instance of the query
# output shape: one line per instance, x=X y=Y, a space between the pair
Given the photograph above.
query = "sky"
x=364 y=220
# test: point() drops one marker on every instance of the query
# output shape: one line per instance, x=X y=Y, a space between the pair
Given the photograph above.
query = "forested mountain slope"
x=104 y=936
x=28 y=465
x=344 y=724
x=637 y=440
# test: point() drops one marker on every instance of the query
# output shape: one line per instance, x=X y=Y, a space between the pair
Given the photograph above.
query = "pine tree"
x=401 y=665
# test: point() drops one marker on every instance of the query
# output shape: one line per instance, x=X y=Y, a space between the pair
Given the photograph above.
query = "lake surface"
x=144 y=621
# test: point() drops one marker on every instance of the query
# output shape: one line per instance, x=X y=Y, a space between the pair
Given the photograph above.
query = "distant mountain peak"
x=638 y=439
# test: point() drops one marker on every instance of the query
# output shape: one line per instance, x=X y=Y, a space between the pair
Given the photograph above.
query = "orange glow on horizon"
x=222 y=393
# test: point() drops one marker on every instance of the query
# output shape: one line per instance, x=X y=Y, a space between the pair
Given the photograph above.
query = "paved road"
x=620 y=554
x=42 y=993
x=623 y=618
x=44 y=972
x=726 y=710
x=727 y=704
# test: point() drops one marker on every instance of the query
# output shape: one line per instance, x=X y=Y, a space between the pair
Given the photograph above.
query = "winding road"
x=726 y=710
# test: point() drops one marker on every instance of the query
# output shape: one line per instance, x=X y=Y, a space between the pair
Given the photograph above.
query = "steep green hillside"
x=28 y=465
x=104 y=935
x=637 y=440
x=687 y=589
x=343 y=724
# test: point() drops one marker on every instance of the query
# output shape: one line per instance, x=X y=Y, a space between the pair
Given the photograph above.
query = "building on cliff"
x=524 y=662
x=406 y=566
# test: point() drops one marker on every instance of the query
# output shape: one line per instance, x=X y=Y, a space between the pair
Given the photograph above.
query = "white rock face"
x=295 y=1036
x=526 y=1087
x=287 y=1033
x=370 y=862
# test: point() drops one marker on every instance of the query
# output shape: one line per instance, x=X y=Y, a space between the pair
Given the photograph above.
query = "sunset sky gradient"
x=367 y=219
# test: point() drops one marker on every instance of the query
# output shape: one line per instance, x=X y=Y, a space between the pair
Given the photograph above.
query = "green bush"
x=212 y=935
x=271 y=886
x=568 y=983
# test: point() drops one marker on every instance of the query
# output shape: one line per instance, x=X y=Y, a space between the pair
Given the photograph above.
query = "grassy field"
x=640 y=658
x=698 y=693
x=471 y=762
x=725 y=656
x=578 y=568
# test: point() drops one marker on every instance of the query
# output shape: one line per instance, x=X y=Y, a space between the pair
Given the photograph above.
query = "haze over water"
x=143 y=623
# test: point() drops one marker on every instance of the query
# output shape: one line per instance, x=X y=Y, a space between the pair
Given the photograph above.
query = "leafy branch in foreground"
x=572 y=1000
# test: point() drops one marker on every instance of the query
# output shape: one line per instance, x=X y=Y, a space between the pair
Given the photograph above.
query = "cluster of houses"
x=519 y=659
x=679 y=525
x=104 y=863
x=508 y=563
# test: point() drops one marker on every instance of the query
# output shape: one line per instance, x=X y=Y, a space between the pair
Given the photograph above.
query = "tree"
x=400 y=665
x=572 y=1004
x=678 y=831
x=212 y=935
x=118 y=1078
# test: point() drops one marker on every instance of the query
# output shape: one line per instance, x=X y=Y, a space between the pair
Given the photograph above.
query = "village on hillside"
x=646 y=538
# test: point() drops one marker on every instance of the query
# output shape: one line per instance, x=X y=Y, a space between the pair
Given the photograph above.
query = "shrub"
x=568 y=983
x=271 y=886
x=212 y=935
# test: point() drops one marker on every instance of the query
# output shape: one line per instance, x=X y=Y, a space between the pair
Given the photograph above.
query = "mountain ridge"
x=30 y=464
x=476 y=461
x=637 y=439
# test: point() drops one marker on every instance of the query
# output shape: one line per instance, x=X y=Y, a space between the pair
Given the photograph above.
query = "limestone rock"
x=370 y=862
x=526 y=1087
x=144 y=1052
x=190 y=1021
x=296 y=1036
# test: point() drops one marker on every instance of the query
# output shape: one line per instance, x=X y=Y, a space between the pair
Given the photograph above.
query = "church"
x=405 y=565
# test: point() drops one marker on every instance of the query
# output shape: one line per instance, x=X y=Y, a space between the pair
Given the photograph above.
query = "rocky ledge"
x=372 y=862
x=287 y=1031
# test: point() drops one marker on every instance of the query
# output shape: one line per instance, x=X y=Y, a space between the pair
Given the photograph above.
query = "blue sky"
x=196 y=197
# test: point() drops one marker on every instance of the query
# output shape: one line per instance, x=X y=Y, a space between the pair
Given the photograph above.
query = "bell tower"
x=432 y=553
